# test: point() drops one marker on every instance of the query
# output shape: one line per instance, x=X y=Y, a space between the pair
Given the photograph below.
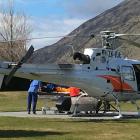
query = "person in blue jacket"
x=35 y=86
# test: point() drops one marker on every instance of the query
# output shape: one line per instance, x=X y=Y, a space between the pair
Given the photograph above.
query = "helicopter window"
x=103 y=59
x=110 y=54
x=103 y=52
x=127 y=73
x=98 y=54
x=93 y=58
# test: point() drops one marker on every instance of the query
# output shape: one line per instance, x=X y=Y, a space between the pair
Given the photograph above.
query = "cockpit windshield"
x=127 y=73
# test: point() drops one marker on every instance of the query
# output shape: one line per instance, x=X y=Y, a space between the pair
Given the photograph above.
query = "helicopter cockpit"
x=101 y=55
x=95 y=56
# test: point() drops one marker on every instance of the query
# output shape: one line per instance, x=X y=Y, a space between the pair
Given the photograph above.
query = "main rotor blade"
x=48 y=37
x=118 y=35
x=16 y=67
x=130 y=42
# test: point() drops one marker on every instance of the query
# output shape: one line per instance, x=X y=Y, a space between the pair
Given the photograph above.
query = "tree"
x=14 y=31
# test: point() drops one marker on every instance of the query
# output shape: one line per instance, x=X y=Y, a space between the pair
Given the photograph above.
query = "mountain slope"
x=124 y=18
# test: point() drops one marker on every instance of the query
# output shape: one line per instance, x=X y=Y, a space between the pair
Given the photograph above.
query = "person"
x=35 y=86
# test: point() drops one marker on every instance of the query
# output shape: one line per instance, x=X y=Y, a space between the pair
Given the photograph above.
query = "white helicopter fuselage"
x=106 y=76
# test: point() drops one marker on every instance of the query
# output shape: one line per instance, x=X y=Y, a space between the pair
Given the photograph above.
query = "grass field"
x=60 y=129
x=16 y=101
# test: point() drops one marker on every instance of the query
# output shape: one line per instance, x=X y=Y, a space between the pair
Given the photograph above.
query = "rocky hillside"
x=124 y=18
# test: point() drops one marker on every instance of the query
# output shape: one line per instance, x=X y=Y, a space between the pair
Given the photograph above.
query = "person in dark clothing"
x=35 y=86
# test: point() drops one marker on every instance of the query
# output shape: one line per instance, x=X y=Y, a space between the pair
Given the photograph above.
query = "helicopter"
x=104 y=73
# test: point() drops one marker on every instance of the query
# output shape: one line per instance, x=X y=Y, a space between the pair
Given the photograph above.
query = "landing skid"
x=102 y=111
x=137 y=106
x=114 y=111
x=108 y=116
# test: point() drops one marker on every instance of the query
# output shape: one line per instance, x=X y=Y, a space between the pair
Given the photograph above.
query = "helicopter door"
x=129 y=82
x=137 y=74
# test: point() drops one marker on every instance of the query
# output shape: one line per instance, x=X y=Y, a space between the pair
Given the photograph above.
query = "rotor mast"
x=108 y=39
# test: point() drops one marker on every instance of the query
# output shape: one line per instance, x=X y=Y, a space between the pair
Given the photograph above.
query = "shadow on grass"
x=27 y=133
